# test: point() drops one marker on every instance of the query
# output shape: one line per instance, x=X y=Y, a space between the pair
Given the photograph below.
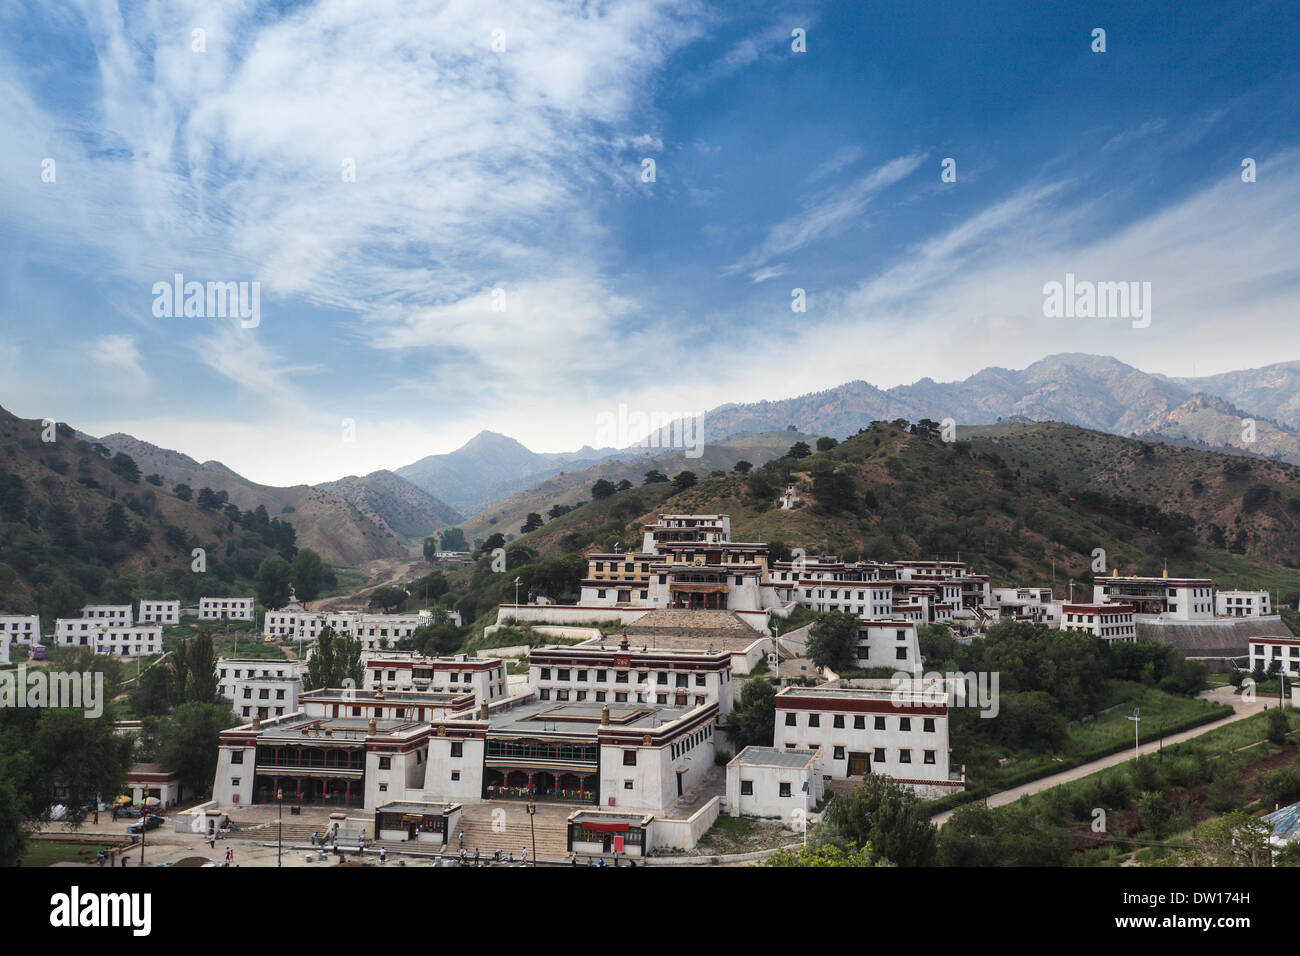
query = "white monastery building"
x=229 y=608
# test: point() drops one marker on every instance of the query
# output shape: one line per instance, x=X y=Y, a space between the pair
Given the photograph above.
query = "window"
x=929 y=756
x=383 y=788
x=880 y=723
x=905 y=756
x=927 y=725
x=562 y=674
x=385 y=763
x=791 y=720
x=879 y=755
x=600 y=676
x=864 y=652
x=904 y=723
x=620 y=677
x=234 y=781
x=627 y=784
x=458 y=749
x=700 y=680
x=901 y=653
x=838 y=754
x=859 y=723
x=544 y=694
x=838 y=721
x=629 y=758
x=681 y=680
x=746 y=788
x=236 y=756
x=662 y=677
x=582 y=675
x=661 y=698
x=455 y=775
x=785 y=790
x=814 y=720
x=600 y=696
x=620 y=697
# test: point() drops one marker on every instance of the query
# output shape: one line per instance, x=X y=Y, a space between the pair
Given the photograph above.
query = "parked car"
x=129 y=811
x=148 y=823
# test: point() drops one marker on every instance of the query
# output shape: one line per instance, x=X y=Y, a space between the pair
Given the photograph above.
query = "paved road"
x=1220 y=695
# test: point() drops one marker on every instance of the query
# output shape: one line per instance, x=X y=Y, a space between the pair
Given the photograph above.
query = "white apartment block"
x=872 y=726
x=1242 y=604
x=260 y=687
x=1111 y=622
x=376 y=632
x=462 y=674
x=160 y=612
x=774 y=782
x=21 y=628
x=4 y=647
x=117 y=640
x=677 y=678
x=233 y=609
x=891 y=642
x=115 y=614
x=1264 y=651
x=1174 y=599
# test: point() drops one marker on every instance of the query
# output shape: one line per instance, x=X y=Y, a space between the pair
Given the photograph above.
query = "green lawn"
x=46 y=852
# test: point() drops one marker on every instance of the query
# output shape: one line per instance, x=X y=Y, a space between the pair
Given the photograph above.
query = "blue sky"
x=520 y=170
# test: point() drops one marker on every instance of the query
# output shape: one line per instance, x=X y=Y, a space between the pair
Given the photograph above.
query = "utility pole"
x=1135 y=718
x=532 y=811
x=279 y=835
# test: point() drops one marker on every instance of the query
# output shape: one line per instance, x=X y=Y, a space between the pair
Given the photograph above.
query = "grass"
x=48 y=852
x=1109 y=732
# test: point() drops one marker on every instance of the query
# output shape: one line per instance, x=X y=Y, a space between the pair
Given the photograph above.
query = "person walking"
x=313 y=838
x=476 y=856
x=525 y=856
x=460 y=839
x=383 y=854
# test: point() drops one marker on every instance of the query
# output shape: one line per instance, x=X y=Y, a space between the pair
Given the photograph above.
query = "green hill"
x=1017 y=501
x=79 y=524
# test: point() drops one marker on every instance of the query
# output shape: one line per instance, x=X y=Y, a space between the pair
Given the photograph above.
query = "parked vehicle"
x=143 y=826
x=129 y=811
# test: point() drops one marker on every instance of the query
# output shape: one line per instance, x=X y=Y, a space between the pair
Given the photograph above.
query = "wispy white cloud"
x=827 y=214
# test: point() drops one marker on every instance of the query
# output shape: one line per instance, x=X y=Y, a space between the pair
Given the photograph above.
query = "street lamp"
x=516 y=600
x=1135 y=718
x=532 y=810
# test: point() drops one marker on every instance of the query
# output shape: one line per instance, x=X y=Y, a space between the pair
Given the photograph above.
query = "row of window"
x=877 y=754
x=621 y=677
x=620 y=697
x=687 y=744
x=859 y=722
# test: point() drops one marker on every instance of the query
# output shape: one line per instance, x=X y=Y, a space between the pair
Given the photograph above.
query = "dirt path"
x=1219 y=695
x=380 y=572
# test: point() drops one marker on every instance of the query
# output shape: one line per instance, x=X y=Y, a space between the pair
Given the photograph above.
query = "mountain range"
x=494 y=478
x=1092 y=391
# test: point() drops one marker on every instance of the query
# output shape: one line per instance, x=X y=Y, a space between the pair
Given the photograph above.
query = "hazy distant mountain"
x=390 y=499
x=1272 y=391
x=324 y=521
x=1088 y=390
x=490 y=467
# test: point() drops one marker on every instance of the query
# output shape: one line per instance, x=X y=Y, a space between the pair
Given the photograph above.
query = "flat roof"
x=548 y=716
x=431 y=809
x=773 y=757
x=340 y=728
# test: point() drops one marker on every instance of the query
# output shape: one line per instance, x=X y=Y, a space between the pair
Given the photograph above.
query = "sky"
x=520 y=215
